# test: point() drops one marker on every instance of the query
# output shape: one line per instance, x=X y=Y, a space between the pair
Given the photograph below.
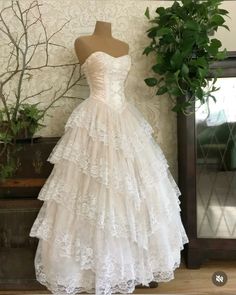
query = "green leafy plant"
x=184 y=47
x=26 y=123
x=28 y=120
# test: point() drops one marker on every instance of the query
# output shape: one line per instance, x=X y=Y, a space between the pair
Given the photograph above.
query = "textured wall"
x=128 y=24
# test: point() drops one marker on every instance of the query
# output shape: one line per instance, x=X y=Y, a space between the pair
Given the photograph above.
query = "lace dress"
x=110 y=219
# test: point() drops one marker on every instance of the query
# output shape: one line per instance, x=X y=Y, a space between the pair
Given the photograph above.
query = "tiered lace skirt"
x=111 y=213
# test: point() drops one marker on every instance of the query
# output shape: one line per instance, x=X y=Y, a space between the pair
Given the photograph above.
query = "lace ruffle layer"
x=94 y=122
x=105 y=276
x=131 y=173
x=114 y=212
x=111 y=213
x=74 y=250
x=109 y=168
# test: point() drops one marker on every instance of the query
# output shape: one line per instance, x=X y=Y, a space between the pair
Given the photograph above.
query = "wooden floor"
x=187 y=281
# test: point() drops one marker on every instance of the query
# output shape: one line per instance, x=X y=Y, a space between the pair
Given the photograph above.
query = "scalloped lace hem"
x=110 y=278
x=122 y=287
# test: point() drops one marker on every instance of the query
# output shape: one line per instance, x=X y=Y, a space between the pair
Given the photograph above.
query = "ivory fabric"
x=111 y=213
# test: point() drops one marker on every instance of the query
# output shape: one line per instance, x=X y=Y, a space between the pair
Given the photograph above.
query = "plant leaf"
x=151 y=82
x=192 y=25
x=161 y=90
x=147 y=14
x=217 y=20
x=226 y=27
x=160 y=10
x=159 y=68
x=223 y=11
x=216 y=43
x=175 y=91
x=184 y=70
x=176 y=60
x=221 y=55
x=163 y=31
x=147 y=50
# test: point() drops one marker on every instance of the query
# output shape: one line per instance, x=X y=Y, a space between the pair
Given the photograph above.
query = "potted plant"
x=184 y=46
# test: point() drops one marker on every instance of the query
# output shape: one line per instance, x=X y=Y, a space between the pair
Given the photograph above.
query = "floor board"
x=187 y=281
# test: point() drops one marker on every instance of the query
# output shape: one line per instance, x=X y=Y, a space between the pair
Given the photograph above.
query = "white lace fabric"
x=111 y=213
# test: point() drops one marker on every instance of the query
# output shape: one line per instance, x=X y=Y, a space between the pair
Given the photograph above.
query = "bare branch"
x=4 y=101
x=11 y=73
x=22 y=54
x=42 y=67
x=32 y=5
x=33 y=23
x=74 y=97
x=54 y=34
x=15 y=13
x=45 y=34
x=71 y=76
x=10 y=58
x=8 y=32
x=36 y=94
x=33 y=53
x=69 y=86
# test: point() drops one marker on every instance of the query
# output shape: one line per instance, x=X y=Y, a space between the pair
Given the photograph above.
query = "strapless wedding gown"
x=110 y=219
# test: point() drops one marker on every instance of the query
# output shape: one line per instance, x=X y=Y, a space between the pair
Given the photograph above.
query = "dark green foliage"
x=27 y=122
x=30 y=116
x=181 y=39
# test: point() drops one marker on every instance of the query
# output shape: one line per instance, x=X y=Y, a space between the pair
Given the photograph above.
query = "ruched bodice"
x=106 y=77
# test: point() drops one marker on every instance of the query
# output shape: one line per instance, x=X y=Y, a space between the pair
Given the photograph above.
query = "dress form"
x=111 y=216
x=100 y=40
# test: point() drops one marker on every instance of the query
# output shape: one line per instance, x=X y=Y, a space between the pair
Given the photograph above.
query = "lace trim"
x=117 y=220
x=102 y=274
x=129 y=145
x=57 y=188
x=67 y=237
x=75 y=188
x=109 y=128
x=119 y=174
x=109 y=167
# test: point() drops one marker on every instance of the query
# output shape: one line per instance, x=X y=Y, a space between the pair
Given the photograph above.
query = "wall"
x=128 y=24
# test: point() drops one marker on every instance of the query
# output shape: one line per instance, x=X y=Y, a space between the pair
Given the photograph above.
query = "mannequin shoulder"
x=82 y=41
x=122 y=44
x=82 y=46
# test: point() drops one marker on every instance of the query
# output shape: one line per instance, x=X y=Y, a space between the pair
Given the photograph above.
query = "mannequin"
x=111 y=201
x=100 y=40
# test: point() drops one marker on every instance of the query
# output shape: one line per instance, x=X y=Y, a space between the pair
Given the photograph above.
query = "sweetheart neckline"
x=99 y=51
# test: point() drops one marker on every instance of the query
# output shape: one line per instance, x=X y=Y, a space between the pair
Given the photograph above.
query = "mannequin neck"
x=103 y=29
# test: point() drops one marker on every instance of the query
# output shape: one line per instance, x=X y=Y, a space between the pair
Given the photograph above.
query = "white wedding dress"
x=111 y=213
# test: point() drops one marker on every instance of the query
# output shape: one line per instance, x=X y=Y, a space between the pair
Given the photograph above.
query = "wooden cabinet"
x=207 y=172
x=19 y=207
x=33 y=169
x=17 y=249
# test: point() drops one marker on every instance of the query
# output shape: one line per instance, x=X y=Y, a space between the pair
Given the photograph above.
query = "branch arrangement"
x=24 y=48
